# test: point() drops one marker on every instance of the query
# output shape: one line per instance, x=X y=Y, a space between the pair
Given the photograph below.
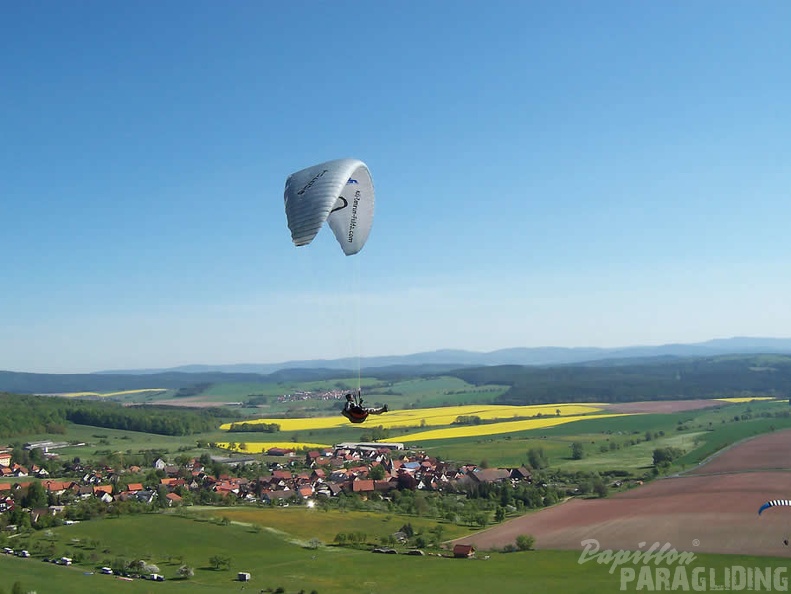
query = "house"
x=145 y=496
x=280 y=452
x=522 y=474
x=19 y=470
x=83 y=491
x=463 y=551
x=6 y=504
x=173 y=499
x=363 y=486
x=57 y=487
x=491 y=475
x=37 y=514
x=5 y=458
x=172 y=482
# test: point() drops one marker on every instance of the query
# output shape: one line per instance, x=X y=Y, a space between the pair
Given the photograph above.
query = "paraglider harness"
x=354 y=411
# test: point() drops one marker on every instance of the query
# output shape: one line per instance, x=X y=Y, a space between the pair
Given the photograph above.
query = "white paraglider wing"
x=339 y=192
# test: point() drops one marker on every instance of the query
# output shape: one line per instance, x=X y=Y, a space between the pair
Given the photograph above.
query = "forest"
x=674 y=379
x=24 y=415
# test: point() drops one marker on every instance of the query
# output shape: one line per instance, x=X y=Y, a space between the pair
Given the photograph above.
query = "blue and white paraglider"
x=776 y=503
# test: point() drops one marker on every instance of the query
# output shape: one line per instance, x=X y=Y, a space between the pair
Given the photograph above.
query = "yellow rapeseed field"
x=435 y=417
x=258 y=447
x=497 y=428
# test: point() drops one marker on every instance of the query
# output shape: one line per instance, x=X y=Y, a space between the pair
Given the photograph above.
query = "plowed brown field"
x=711 y=509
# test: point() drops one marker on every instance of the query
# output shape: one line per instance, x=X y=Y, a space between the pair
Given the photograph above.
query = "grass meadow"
x=276 y=561
x=274 y=545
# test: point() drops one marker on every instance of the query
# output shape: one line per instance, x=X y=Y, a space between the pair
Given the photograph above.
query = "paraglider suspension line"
x=357 y=321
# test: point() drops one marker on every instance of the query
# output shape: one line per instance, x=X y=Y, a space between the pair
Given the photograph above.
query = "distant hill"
x=534 y=374
x=59 y=383
x=449 y=358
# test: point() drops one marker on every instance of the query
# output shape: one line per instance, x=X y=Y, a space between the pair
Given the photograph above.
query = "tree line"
x=676 y=379
x=24 y=414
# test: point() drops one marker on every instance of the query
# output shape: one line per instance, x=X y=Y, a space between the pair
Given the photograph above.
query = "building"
x=463 y=551
x=369 y=445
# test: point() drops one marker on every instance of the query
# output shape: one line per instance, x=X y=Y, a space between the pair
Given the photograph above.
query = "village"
x=362 y=470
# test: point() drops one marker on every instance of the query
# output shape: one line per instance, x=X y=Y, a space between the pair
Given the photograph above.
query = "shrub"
x=525 y=542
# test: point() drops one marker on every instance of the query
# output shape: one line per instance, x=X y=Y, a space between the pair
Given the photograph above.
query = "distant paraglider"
x=776 y=503
x=339 y=192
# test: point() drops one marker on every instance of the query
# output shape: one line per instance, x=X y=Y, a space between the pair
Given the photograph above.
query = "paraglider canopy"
x=340 y=192
x=774 y=503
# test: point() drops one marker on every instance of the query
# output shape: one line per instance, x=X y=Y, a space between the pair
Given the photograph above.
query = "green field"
x=699 y=433
x=324 y=524
x=278 y=545
x=274 y=561
x=100 y=439
x=411 y=393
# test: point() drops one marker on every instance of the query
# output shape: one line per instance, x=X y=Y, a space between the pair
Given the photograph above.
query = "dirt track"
x=712 y=509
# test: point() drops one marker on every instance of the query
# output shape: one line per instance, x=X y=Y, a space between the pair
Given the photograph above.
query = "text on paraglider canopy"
x=307 y=186
x=353 y=222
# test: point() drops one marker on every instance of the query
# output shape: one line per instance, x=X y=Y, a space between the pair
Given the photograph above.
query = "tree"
x=600 y=487
x=36 y=496
x=118 y=565
x=377 y=472
x=220 y=562
x=186 y=572
x=437 y=532
x=577 y=451
x=537 y=458
x=663 y=457
x=408 y=530
x=525 y=542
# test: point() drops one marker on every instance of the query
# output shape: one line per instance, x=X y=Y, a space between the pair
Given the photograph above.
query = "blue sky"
x=547 y=173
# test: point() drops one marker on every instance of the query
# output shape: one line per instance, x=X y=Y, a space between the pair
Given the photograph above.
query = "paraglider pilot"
x=354 y=410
